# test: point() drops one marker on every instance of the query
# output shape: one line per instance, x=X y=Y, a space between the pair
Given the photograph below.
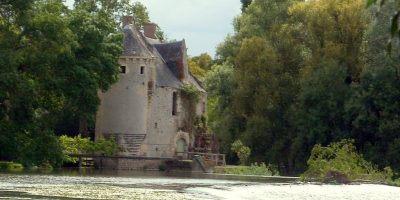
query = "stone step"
x=133 y=142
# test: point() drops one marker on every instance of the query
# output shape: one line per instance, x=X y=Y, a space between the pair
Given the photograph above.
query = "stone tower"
x=126 y=105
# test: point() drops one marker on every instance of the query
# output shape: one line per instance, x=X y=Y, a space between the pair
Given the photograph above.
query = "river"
x=68 y=185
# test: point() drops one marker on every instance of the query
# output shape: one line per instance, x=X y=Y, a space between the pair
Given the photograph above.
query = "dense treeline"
x=53 y=61
x=299 y=73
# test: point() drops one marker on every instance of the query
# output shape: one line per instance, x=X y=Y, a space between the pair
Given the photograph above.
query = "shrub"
x=25 y=144
x=341 y=159
x=162 y=167
x=11 y=167
x=243 y=152
x=191 y=92
x=80 y=145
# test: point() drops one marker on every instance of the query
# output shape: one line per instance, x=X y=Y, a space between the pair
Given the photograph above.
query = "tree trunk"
x=83 y=127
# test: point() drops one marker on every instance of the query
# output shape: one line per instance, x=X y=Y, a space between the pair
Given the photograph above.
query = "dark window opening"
x=122 y=69
x=150 y=86
x=142 y=70
x=174 y=103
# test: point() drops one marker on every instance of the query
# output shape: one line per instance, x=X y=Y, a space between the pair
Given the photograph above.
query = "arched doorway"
x=181 y=146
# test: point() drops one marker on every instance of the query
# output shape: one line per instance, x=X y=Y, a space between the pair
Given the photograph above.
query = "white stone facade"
x=144 y=110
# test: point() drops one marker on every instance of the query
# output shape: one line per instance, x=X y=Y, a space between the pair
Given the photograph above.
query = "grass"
x=253 y=169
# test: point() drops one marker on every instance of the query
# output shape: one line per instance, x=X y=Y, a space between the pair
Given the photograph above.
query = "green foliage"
x=81 y=145
x=199 y=65
x=25 y=144
x=162 y=167
x=191 y=92
x=298 y=71
x=196 y=70
x=254 y=169
x=75 y=145
x=11 y=167
x=242 y=151
x=341 y=157
x=54 y=60
x=394 y=26
x=245 y=4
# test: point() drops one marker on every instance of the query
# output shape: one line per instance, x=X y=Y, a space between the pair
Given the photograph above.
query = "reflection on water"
x=72 y=184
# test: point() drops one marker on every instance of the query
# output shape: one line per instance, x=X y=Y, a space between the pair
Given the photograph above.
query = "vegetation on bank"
x=243 y=152
x=10 y=167
x=284 y=82
x=81 y=145
x=48 y=82
x=254 y=169
x=287 y=80
x=340 y=163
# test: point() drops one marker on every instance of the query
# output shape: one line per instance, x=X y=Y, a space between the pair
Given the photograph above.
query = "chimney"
x=127 y=20
x=150 y=30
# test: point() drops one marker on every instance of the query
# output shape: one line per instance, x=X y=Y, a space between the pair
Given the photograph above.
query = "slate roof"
x=167 y=57
x=164 y=76
x=171 y=53
x=134 y=45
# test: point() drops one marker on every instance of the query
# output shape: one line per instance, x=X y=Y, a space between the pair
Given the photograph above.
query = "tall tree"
x=53 y=60
x=245 y=4
x=374 y=109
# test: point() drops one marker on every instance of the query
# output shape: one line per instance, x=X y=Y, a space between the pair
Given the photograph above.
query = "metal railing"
x=218 y=159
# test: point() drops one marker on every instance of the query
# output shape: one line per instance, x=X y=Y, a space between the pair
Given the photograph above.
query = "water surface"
x=154 y=185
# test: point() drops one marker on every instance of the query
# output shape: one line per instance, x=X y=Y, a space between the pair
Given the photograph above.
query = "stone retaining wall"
x=128 y=164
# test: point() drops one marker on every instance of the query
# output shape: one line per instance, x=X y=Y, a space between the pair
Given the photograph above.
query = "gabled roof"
x=134 y=45
x=172 y=53
x=164 y=76
x=167 y=56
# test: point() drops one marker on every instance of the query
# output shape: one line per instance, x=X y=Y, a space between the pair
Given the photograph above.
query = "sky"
x=202 y=23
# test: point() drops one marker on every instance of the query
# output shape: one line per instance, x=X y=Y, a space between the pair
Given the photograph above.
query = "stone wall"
x=125 y=106
x=128 y=164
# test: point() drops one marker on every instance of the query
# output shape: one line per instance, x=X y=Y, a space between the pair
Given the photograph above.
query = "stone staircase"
x=132 y=143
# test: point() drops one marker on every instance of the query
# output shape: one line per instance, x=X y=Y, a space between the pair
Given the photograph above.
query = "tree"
x=395 y=19
x=333 y=29
x=199 y=65
x=333 y=63
x=34 y=36
x=245 y=4
x=53 y=60
x=373 y=108
x=266 y=64
x=220 y=84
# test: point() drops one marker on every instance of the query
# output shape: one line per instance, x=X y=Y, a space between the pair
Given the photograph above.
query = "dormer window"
x=122 y=69
x=142 y=70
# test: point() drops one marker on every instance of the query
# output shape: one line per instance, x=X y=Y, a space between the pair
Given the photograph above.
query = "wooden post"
x=80 y=162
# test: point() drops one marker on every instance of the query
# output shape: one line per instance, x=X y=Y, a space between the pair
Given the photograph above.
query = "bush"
x=162 y=167
x=243 y=152
x=339 y=162
x=254 y=169
x=11 y=167
x=29 y=145
x=80 y=145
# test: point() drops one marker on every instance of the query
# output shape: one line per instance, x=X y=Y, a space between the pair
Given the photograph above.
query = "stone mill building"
x=146 y=110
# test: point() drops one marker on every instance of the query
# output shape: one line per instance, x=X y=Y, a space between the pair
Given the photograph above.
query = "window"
x=142 y=70
x=150 y=86
x=122 y=69
x=174 y=103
